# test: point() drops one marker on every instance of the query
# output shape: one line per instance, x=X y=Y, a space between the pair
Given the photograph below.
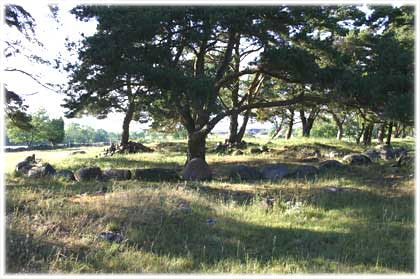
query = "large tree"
x=175 y=50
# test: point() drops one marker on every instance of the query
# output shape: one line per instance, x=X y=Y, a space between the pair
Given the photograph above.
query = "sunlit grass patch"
x=359 y=219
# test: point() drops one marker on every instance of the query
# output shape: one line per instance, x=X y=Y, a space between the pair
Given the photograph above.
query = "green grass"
x=53 y=225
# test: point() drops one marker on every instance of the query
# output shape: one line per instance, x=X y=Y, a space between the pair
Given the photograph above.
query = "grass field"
x=218 y=226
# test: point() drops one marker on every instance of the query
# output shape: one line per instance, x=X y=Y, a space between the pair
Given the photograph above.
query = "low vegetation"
x=359 y=219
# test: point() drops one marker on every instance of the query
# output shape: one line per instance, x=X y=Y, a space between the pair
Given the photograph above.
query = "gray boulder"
x=42 y=171
x=372 y=154
x=66 y=174
x=197 y=169
x=275 y=171
x=244 y=173
x=255 y=150
x=305 y=170
x=330 y=164
x=117 y=174
x=356 y=159
x=89 y=173
x=237 y=152
x=78 y=152
x=156 y=174
x=25 y=165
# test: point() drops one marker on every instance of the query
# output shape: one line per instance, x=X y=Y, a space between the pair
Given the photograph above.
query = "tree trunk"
x=126 y=124
x=278 y=129
x=307 y=123
x=241 y=132
x=397 y=131
x=381 y=133
x=339 y=124
x=233 y=128
x=359 y=136
x=340 y=131
x=290 y=124
x=388 y=136
x=367 y=135
x=196 y=146
x=404 y=132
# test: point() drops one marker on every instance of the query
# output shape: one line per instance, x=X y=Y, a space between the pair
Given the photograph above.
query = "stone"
x=372 y=154
x=255 y=150
x=156 y=174
x=88 y=173
x=78 y=152
x=66 y=174
x=309 y=160
x=237 y=152
x=117 y=174
x=42 y=171
x=112 y=236
x=387 y=153
x=197 y=169
x=330 y=164
x=23 y=167
x=305 y=170
x=405 y=160
x=244 y=172
x=274 y=171
x=356 y=159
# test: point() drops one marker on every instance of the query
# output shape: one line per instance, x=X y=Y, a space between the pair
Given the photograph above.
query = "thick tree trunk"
x=367 y=135
x=233 y=128
x=241 y=132
x=126 y=124
x=340 y=131
x=307 y=123
x=388 y=136
x=306 y=129
x=381 y=133
x=290 y=124
x=196 y=146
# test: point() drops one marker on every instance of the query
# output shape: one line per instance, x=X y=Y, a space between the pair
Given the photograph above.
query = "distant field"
x=218 y=226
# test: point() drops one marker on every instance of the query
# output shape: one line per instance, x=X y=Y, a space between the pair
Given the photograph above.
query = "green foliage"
x=42 y=129
x=324 y=129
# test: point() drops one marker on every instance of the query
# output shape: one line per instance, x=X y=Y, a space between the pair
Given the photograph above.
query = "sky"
x=53 y=35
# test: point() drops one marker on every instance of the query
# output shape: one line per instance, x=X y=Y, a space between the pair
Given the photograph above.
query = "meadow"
x=217 y=226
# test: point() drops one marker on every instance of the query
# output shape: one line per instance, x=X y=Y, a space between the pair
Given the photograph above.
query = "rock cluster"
x=130 y=147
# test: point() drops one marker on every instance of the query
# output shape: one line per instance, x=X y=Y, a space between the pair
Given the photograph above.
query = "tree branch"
x=32 y=77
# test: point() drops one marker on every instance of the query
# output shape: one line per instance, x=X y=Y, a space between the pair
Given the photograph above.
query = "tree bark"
x=361 y=132
x=290 y=124
x=233 y=128
x=126 y=124
x=339 y=124
x=397 y=130
x=278 y=129
x=367 y=135
x=388 y=136
x=196 y=145
x=404 y=132
x=381 y=133
x=307 y=123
